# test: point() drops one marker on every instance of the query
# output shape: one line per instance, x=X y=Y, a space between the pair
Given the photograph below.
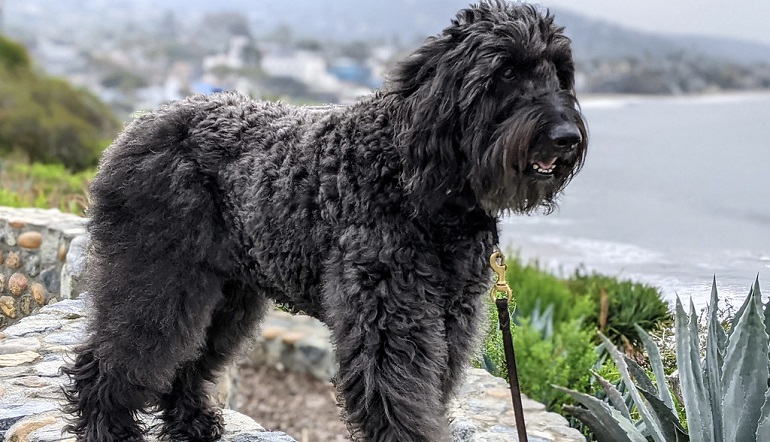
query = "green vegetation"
x=47 y=120
x=723 y=387
x=622 y=306
x=557 y=319
x=44 y=186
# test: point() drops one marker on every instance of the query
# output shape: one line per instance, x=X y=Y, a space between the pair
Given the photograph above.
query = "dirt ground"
x=297 y=404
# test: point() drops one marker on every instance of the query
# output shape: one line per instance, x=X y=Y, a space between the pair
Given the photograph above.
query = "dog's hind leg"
x=187 y=411
x=147 y=321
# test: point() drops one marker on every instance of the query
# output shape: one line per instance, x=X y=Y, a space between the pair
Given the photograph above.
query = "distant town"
x=135 y=63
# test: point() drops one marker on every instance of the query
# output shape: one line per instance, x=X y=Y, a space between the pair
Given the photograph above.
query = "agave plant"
x=724 y=391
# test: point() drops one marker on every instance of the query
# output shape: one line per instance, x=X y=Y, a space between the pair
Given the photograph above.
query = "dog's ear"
x=428 y=121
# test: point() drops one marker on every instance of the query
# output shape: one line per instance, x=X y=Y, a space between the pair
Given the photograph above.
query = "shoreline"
x=604 y=100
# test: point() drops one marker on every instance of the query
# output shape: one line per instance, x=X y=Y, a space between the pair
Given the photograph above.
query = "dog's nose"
x=565 y=135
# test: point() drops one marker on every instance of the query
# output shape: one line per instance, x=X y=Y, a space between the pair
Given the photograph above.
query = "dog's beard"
x=521 y=172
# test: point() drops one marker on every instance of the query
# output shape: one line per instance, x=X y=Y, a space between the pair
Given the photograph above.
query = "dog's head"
x=488 y=108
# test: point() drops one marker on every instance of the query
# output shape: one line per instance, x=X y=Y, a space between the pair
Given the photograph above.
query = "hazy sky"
x=744 y=19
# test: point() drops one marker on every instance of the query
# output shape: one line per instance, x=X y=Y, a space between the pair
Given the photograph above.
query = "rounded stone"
x=17 y=283
x=30 y=240
x=7 y=306
x=13 y=261
x=2 y=282
x=16 y=223
x=272 y=332
x=292 y=337
x=499 y=393
x=38 y=293
x=26 y=305
x=10 y=239
x=61 y=253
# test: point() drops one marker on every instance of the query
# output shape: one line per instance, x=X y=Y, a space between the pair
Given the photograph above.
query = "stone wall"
x=41 y=257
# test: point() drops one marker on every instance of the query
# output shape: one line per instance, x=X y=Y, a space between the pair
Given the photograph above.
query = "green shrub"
x=626 y=304
x=48 y=120
x=564 y=358
x=533 y=287
x=13 y=55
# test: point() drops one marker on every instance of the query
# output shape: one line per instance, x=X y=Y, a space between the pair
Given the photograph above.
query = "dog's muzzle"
x=559 y=144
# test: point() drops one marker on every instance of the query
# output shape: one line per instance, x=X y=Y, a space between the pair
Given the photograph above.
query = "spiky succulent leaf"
x=669 y=422
x=767 y=318
x=694 y=393
x=653 y=354
x=649 y=418
x=745 y=372
x=601 y=431
x=489 y=365
x=612 y=425
x=715 y=349
x=739 y=313
x=763 y=430
x=614 y=395
x=640 y=376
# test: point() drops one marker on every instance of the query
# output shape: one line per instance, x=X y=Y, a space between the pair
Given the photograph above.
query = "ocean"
x=674 y=192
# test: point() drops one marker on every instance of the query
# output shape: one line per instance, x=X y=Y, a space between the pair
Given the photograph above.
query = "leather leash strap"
x=497 y=262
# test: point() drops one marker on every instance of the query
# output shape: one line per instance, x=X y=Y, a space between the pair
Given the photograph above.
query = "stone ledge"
x=31 y=353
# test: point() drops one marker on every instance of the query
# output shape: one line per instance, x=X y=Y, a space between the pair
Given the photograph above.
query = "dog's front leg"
x=391 y=344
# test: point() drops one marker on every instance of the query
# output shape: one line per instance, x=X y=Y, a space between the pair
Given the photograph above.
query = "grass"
x=44 y=186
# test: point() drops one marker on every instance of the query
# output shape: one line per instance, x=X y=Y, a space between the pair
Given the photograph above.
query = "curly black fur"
x=377 y=218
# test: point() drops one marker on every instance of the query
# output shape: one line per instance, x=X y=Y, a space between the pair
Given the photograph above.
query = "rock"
x=65 y=337
x=16 y=359
x=10 y=238
x=272 y=332
x=61 y=252
x=292 y=337
x=16 y=223
x=31 y=325
x=483 y=405
x=9 y=346
x=76 y=256
x=30 y=240
x=17 y=283
x=272 y=436
x=67 y=308
x=12 y=413
x=41 y=428
x=32 y=265
x=51 y=279
x=13 y=260
x=8 y=306
x=27 y=304
x=2 y=281
x=38 y=293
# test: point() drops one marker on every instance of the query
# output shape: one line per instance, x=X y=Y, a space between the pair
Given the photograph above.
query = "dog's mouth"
x=544 y=168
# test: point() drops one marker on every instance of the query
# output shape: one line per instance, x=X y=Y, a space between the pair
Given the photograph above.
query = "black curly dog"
x=377 y=218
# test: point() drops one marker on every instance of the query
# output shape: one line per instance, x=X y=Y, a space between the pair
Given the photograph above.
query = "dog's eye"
x=508 y=74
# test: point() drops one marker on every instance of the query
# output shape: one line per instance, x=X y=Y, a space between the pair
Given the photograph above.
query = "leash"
x=501 y=287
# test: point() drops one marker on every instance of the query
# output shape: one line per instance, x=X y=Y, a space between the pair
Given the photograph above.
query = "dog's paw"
x=202 y=426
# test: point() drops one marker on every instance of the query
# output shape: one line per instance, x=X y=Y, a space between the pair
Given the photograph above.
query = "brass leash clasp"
x=497 y=263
